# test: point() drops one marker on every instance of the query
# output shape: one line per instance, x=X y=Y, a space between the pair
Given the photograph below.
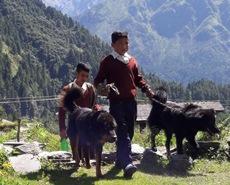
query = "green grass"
x=213 y=168
x=204 y=172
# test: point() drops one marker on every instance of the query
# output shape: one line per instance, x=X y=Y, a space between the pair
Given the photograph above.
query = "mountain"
x=39 y=50
x=72 y=7
x=175 y=39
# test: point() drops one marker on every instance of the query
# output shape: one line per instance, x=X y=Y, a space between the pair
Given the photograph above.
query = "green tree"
x=2 y=113
x=1 y=45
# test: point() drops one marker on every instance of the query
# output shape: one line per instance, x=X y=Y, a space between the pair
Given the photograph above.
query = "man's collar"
x=116 y=55
x=123 y=58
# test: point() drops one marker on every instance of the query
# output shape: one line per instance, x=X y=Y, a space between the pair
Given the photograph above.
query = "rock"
x=14 y=144
x=30 y=148
x=162 y=149
x=137 y=152
x=151 y=155
x=26 y=163
x=180 y=163
x=7 y=149
x=108 y=156
x=61 y=155
x=137 y=149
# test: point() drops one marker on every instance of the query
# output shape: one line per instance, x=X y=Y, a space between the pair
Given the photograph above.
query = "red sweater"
x=125 y=77
x=83 y=101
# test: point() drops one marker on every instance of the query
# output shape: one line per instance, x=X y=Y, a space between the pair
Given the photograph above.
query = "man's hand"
x=63 y=134
x=149 y=93
x=103 y=89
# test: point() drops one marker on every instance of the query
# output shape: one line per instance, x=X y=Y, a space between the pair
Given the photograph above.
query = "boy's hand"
x=63 y=134
x=103 y=89
x=149 y=93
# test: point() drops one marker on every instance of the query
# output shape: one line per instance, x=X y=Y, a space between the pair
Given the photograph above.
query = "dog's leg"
x=82 y=154
x=98 y=161
x=167 y=144
x=179 y=140
x=87 y=156
x=154 y=131
x=77 y=158
x=195 y=145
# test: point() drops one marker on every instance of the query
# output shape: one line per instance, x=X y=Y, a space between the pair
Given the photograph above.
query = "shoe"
x=129 y=170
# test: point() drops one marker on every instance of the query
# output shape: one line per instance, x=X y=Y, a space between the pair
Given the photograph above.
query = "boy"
x=121 y=68
x=87 y=100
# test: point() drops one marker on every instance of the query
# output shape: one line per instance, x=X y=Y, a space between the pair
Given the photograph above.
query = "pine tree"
x=1 y=45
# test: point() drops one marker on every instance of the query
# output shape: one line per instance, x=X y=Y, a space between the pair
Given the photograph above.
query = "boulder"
x=30 y=148
x=56 y=156
x=26 y=163
x=108 y=156
x=7 y=149
x=151 y=155
x=180 y=163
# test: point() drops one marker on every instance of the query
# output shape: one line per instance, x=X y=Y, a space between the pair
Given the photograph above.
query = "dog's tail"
x=160 y=95
x=67 y=98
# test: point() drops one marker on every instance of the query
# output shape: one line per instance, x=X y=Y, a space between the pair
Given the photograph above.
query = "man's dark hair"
x=118 y=34
x=83 y=67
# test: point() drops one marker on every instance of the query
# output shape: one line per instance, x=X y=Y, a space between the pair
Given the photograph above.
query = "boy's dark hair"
x=118 y=34
x=83 y=67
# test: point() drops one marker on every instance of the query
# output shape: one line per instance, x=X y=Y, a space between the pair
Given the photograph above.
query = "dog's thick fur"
x=183 y=121
x=89 y=128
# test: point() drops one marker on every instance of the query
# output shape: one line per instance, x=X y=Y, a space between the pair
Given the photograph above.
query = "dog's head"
x=208 y=121
x=106 y=125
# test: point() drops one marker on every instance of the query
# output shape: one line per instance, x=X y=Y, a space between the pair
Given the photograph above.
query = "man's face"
x=121 y=46
x=81 y=77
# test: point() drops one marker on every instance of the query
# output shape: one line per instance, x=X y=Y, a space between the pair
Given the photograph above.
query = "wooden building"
x=143 y=110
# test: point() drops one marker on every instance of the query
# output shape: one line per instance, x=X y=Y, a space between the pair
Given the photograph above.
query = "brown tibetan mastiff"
x=88 y=129
x=183 y=121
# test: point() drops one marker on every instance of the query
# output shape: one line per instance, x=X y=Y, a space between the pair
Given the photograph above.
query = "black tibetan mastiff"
x=183 y=121
x=88 y=129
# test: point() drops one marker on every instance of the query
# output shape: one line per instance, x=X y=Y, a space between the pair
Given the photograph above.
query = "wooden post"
x=18 y=134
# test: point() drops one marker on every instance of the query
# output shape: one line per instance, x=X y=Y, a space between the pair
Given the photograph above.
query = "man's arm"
x=141 y=83
x=61 y=120
x=61 y=117
x=101 y=74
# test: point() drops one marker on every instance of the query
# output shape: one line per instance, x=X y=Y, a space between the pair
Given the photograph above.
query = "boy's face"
x=81 y=77
x=121 y=46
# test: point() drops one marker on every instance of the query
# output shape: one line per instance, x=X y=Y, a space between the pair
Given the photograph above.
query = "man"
x=87 y=100
x=121 y=69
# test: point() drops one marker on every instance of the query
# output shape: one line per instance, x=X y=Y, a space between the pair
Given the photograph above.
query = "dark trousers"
x=125 y=114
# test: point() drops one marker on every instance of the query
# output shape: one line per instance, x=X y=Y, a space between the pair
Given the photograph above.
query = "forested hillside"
x=39 y=49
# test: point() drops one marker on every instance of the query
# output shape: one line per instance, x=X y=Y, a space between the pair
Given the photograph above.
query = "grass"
x=211 y=169
x=204 y=172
